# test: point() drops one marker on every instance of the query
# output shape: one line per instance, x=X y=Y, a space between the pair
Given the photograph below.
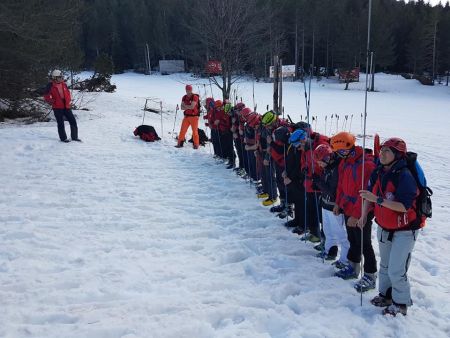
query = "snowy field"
x=115 y=237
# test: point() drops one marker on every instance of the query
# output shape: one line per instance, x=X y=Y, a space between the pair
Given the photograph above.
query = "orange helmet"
x=342 y=141
x=218 y=104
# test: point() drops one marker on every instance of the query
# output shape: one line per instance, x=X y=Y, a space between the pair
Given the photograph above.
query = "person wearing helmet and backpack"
x=294 y=181
x=392 y=192
x=349 y=202
x=333 y=225
x=190 y=105
x=253 y=120
x=313 y=217
x=268 y=123
x=58 y=95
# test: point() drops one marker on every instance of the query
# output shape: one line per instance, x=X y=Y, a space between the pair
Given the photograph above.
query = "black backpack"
x=201 y=137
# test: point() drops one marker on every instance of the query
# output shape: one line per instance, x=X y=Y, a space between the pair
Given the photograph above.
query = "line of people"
x=318 y=181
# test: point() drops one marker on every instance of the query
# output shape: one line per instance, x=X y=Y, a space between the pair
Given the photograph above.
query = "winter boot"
x=278 y=208
x=325 y=256
x=179 y=145
x=268 y=202
x=339 y=265
x=348 y=272
x=381 y=301
x=286 y=212
x=66 y=140
x=395 y=309
x=313 y=239
x=291 y=224
x=263 y=195
x=320 y=247
x=298 y=230
x=366 y=283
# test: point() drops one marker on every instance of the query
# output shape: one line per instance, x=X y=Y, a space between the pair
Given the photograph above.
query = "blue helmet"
x=297 y=136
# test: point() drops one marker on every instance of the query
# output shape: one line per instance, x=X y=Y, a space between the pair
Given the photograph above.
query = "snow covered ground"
x=115 y=237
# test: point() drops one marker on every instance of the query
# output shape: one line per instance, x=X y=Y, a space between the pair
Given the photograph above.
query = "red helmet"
x=245 y=113
x=322 y=153
x=253 y=119
x=240 y=105
x=218 y=104
x=396 y=143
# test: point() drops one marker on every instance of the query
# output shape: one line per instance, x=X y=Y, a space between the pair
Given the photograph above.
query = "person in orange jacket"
x=190 y=105
x=58 y=95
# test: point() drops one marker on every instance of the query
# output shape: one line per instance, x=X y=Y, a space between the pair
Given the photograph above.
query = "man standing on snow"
x=189 y=103
x=58 y=95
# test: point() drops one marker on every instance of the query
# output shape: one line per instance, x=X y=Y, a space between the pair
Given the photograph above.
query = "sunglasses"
x=343 y=152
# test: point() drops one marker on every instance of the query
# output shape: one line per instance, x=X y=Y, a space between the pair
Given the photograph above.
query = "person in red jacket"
x=58 y=95
x=223 y=123
x=189 y=103
x=392 y=192
x=349 y=202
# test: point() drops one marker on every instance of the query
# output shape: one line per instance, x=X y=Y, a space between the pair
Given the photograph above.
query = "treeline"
x=405 y=37
x=39 y=35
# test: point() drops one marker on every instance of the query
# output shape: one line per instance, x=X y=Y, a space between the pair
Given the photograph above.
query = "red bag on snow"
x=146 y=133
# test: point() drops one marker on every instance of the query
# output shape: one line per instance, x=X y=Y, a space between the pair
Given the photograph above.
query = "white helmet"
x=56 y=73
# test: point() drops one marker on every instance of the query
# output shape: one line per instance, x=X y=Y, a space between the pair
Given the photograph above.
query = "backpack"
x=423 y=200
x=199 y=105
x=201 y=137
x=146 y=133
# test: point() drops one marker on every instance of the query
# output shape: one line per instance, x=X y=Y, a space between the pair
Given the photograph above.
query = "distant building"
x=171 y=66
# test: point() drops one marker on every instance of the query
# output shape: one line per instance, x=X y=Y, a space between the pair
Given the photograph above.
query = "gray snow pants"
x=395 y=257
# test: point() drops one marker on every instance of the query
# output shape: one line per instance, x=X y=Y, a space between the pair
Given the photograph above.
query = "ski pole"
x=161 y=112
x=175 y=120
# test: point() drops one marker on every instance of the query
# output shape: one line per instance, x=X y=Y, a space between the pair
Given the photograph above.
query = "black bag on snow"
x=202 y=138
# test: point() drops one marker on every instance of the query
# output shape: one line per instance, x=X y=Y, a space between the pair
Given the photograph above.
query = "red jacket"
x=350 y=178
x=53 y=97
x=383 y=186
x=308 y=165
x=225 y=120
x=188 y=100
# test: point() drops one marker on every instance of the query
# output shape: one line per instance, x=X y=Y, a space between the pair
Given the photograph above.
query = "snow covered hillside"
x=114 y=237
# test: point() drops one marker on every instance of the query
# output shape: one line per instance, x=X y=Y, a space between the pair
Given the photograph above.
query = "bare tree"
x=230 y=31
